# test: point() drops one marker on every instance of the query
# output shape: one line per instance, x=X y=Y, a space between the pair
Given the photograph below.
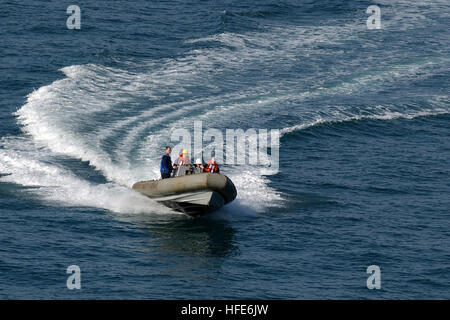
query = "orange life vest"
x=212 y=167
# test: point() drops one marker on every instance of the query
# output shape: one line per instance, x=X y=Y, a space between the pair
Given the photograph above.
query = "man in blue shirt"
x=166 y=164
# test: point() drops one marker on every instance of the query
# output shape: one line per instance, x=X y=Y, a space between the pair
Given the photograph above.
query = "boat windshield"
x=188 y=169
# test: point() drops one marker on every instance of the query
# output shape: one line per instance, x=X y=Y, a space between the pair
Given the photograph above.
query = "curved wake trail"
x=343 y=114
x=32 y=167
x=118 y=120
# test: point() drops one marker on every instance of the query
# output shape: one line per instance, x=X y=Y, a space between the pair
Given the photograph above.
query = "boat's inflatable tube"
x=194 y=194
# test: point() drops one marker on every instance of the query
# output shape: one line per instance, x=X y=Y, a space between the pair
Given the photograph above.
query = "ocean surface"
x=364 y=162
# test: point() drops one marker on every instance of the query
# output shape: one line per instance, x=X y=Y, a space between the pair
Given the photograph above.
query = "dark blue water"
x=364 y=151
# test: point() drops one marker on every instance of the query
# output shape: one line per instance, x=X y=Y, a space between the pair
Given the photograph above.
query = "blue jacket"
x=166 y=164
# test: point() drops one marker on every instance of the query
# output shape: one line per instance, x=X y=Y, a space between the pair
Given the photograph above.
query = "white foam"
x=379 y=112
x=32 y=167
x=253 y=189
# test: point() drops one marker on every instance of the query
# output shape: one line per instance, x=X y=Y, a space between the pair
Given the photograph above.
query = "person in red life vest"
x=212 y=166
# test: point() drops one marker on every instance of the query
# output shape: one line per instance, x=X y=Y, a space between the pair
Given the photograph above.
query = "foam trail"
x=377 y=113
x=40 y=118
x=54 y=184
x=253 y=190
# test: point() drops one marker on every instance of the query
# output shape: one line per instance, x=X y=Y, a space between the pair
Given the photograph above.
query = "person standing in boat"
x=166 y=166
x=212 y=166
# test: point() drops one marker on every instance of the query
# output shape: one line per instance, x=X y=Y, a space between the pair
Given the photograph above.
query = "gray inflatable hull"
x=195 y=194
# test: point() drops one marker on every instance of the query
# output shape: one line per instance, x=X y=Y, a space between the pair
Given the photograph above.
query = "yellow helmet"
x=184 y=151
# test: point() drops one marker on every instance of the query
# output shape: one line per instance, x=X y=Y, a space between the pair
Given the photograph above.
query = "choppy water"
x=364 y=151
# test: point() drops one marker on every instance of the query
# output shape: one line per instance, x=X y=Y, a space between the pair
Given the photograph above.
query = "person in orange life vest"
x=212 y=166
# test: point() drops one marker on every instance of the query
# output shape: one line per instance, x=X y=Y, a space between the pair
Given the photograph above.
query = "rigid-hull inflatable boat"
x=192 y=194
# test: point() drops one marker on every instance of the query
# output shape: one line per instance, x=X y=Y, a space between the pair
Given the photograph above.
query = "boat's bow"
x=194 y=194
